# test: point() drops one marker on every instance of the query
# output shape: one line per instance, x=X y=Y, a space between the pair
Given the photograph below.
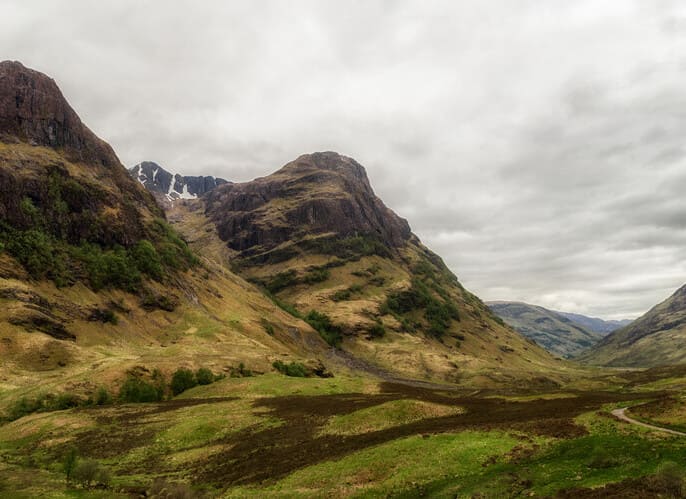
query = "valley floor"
x=275 y=436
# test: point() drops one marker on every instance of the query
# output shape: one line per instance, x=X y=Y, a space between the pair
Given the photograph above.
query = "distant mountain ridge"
x=654 y=339
x=163 y=184
x=552 y=330
x=595 y=324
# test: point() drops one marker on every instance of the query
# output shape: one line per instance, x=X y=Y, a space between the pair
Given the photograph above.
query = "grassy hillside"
x=654 y=339
x=405 y=313
x=275 y=436
x=552 y=330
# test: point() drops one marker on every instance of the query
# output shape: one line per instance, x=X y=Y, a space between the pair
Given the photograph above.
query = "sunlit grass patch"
x=381 y=471
x=386 y=415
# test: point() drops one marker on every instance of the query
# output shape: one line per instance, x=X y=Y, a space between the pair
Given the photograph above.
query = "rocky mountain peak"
x=316 y=194
x=168 y=187
x=33 y=110
x=328 y=160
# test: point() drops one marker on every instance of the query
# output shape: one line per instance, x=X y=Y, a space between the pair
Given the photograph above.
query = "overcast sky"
x=537 y=146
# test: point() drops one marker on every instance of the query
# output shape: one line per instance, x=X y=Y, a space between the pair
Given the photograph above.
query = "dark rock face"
x=317 y=194
x=76 y=191
x=159 y=181
x=33 y=109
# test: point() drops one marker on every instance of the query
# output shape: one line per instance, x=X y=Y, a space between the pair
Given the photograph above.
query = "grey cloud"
x=537 y=147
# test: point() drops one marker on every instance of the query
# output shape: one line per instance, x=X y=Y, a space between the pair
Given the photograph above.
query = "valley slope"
x=552 y=330
x=654 y=339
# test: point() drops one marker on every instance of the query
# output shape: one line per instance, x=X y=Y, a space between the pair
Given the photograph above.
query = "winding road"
x=620 y=414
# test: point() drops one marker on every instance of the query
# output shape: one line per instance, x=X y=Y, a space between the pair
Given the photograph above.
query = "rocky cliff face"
x=317 y=194
x=55 y=173
x=168 y=187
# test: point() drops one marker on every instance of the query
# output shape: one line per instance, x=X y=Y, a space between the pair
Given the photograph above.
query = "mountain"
x=168 y=187
x=94 y=282
x=657 y=338
x=317 y=197
x=596 y=325
x=554 y=331
x=318 y=240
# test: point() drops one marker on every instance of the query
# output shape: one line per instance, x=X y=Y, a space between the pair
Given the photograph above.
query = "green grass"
x=611 y=452
x=276 y=385
x=386 y=415
x=494 y=463
x=391 y=468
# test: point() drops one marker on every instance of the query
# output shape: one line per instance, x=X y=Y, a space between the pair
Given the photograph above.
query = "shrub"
x=281 y=281
x=293 y=369
x=316 y=275
x=109 y=268
x=69 y=462
x=438 y=313
x=348 y=248
x=204 y=376
x=65 y=401
x=377 y=330
x=23 y=407
x=377 y=281
x=89 y=473
x=36 y=251
x=182 y=380
x=327 y=330
x=241 y=371
x=286 y=307
x=137 y=390
x=153 y=301
x=103 y=315
x=341 y=295
x=144 y=256
x=61 y=239
x=102 y=397
x=268 y=327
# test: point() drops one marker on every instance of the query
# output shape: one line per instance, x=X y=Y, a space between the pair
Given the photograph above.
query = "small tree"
x=102 y=397
x=86 y=472
x=69 y=463
x=204 y=376
x=137 y=390
x=182 y=380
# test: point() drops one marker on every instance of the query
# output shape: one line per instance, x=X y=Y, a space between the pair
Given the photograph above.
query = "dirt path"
x=619 y=414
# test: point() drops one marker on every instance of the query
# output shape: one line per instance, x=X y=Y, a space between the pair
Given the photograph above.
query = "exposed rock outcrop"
x=168 y=187
x=56 y=174
x=317 y=194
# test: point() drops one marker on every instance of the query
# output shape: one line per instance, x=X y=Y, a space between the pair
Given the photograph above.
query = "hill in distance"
x=594 y=324
x=657 y=338
x=554 y=331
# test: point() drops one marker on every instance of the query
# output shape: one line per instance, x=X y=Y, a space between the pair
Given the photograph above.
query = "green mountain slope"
x=552 y=330
x=316 y=237
x=654 y=339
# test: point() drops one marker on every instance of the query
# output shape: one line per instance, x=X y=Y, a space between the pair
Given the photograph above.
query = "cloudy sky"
x=538 y=146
